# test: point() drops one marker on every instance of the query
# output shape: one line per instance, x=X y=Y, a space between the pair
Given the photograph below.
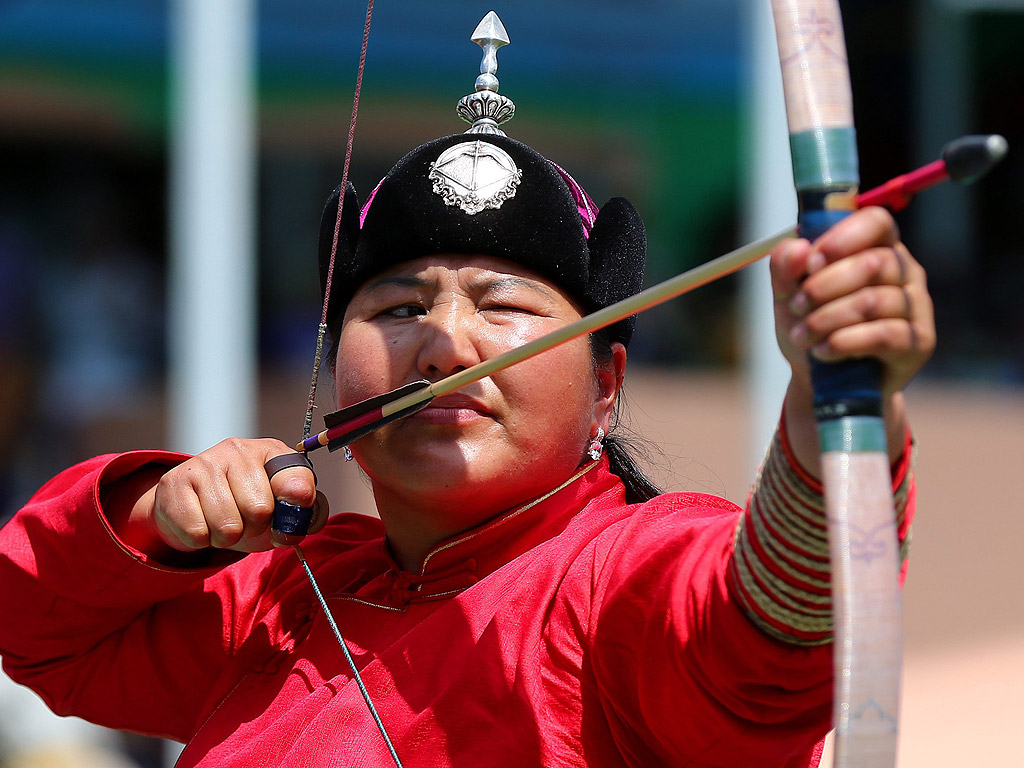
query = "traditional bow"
x=848 y=403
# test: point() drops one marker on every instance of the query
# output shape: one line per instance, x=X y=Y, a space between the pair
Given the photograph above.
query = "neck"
x=415 y=527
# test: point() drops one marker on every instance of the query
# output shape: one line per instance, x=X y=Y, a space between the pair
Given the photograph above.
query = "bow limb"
x=848 y=406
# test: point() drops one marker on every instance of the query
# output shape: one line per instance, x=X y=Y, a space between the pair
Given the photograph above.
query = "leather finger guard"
x=288 y=460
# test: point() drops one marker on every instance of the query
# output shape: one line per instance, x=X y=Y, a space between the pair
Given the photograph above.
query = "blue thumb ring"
x=291 y=518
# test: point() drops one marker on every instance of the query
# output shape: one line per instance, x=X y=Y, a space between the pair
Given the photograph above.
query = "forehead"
x=466 y=269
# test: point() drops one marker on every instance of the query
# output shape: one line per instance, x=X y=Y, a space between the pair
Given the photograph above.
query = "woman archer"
x=527 y=597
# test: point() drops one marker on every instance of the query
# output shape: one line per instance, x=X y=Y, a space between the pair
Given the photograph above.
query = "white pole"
x=769 y=206
x=211 y=302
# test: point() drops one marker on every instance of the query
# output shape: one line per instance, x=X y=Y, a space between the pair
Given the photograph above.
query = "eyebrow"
x=476 y=286
x=512 y=282
x=402 y=282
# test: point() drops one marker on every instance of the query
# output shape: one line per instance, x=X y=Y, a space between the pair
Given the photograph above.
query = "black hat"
x=545 y=221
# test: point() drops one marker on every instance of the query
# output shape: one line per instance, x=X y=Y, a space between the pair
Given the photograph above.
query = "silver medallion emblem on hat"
x=475 y=175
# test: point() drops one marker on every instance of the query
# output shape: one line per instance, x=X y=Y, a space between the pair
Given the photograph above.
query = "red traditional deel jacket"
x=574 y=631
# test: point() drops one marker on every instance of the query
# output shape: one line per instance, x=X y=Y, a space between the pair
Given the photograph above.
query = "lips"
x=453 y=409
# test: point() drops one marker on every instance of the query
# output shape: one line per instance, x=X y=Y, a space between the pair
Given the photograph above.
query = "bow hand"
x=856 y=292
x=220 y=499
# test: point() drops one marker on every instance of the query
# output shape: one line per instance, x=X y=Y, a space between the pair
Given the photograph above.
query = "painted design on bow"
x=866 y=544
x=822 y=33
x=873 y=712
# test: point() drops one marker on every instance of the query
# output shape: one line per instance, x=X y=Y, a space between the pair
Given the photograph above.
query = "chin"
x=466 y=467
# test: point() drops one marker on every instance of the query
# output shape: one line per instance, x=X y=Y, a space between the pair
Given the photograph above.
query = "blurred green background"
x=645 y=100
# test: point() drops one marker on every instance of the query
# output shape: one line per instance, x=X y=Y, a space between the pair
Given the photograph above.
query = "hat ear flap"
x=618 y=251
x=348 y=237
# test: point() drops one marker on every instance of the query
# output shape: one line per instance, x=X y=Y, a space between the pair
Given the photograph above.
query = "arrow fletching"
x=354 y=421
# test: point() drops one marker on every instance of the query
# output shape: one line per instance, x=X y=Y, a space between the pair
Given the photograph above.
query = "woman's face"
x=494 y=443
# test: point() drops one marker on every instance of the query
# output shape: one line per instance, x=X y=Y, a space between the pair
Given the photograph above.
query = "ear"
x=609 y=383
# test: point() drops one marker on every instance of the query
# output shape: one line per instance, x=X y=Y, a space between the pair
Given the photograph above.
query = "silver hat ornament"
x=486 y=109
x=477 y=175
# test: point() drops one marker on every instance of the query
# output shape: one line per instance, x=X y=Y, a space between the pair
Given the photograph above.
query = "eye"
x=403 y=311
x=506 y=309
x=514 y=297
x=511 y=305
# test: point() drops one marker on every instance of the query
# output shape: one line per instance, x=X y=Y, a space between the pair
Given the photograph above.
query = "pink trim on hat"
x=366 y=205
x=585 y=206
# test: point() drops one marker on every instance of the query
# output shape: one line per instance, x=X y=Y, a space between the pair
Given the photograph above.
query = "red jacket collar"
x=462 y=560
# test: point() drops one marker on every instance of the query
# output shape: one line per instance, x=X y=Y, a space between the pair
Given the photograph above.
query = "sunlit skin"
x=495 y=443
x=855 y=292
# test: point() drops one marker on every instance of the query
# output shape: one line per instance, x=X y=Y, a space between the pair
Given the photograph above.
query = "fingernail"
x=815 y=262
x=798 y=334
x=820 y=350
x=800 y=304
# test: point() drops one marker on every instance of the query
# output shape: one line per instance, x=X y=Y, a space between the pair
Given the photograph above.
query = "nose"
x=450 y=344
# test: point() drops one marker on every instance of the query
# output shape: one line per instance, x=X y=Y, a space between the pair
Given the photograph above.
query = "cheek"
x=364 y=367
x=528 y=329
x=557 y=389
x=491 y=339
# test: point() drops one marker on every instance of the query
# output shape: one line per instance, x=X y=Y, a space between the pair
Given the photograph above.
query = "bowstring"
x=311 y=401
x=322 y=330
x=348 y=657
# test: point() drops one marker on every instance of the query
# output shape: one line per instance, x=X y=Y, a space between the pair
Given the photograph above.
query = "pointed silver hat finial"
x=486 y=109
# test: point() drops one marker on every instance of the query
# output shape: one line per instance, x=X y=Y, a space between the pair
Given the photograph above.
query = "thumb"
x=788 y=265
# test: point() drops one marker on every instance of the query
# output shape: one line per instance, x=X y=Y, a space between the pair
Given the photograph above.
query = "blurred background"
x=646 y=100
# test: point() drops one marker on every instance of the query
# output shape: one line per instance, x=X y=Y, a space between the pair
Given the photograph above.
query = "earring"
x=348 y=453
x=596 y=447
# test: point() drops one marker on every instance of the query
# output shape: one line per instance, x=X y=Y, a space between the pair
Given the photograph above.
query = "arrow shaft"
x=897 y=193
x=651 y=297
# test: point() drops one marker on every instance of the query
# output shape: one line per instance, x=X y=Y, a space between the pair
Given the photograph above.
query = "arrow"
x=963 y=160
x=357 y=420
